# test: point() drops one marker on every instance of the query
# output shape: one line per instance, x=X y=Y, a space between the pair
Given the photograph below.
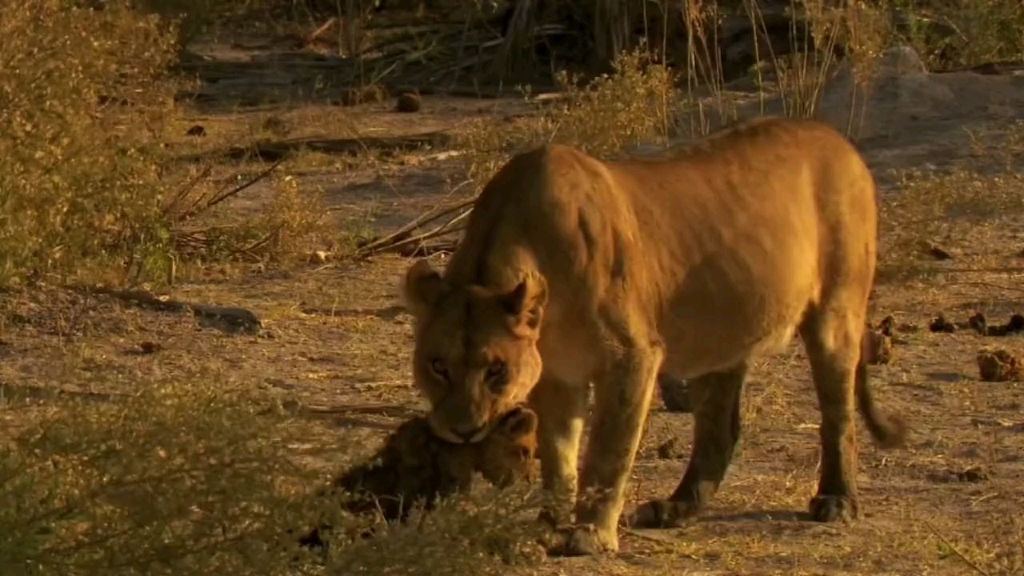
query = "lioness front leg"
x=561 y=408
x=622 y=396
x=716 y=431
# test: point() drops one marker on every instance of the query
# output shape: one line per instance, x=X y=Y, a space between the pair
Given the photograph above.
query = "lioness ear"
x=422 y=287
x=520 y=423
x=525 y=304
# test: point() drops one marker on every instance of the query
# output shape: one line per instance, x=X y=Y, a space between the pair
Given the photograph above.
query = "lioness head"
x=475 y=355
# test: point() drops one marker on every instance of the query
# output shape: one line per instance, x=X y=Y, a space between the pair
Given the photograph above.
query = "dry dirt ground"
x=337 y=346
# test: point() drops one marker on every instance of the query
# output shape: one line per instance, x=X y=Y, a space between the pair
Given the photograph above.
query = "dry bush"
x=612 y=112
x=183 y=479
x=480 y=533
x=288 y=222
x=80 y=174
x=87 y=188
x=957 y=33
x=187 y=479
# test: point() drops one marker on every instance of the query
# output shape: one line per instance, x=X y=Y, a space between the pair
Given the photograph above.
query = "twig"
x=260 y=242
x=222 y=197
x=974 y=566
x=323 y=28
x=180 y=194
x=439 y=231
x=404 y=232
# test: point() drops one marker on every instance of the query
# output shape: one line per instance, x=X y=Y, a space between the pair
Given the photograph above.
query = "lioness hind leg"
x=561 y=408
x=832 y=341
x=622 y=395
x=716 y=399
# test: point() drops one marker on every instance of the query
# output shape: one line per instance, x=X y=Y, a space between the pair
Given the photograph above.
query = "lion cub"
x=414 y=467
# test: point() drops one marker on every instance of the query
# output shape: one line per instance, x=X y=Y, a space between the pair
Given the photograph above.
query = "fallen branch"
x=278 y=150
x=402 y=239
x=230 y=320
x=234 y=191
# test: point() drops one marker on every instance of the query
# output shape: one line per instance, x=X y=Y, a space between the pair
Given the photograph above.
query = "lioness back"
x=728 y=242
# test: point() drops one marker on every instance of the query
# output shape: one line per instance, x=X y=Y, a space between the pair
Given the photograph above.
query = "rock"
x=898 y=85
x=227 y=319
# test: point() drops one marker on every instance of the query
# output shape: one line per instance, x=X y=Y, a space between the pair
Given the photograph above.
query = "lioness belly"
x=733 y=310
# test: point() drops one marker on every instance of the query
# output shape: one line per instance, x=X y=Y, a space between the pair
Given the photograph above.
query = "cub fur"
x=575 y=270
x=415 y=467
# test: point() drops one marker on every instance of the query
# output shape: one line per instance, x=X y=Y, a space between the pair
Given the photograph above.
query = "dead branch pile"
x=432 y=232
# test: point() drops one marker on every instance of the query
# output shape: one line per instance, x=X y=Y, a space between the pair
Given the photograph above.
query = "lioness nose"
x=467 y=434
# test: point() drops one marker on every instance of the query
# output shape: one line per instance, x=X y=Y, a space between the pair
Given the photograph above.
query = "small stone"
x=148 y=347
x=319 y=257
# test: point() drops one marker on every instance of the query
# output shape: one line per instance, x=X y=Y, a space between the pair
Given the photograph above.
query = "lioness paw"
x=661 y=514
x=581 y=540
x=827 y=508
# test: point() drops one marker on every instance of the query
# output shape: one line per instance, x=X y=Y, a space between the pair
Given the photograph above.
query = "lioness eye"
x=437 y=366
x=496 y=370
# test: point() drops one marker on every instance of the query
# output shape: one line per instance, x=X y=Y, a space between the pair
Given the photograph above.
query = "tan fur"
x=575 y=270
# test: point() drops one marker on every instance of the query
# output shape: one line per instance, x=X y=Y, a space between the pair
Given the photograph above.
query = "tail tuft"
x=888 y=430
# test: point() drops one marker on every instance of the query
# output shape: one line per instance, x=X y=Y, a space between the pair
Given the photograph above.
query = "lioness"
x=573 y=270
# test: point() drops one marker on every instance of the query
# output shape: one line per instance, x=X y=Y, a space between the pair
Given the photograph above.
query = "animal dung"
x=408 y=102
x=998 y=365
x=940 y=324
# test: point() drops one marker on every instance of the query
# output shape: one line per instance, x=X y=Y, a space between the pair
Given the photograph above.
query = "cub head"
x=475 y=356
x=507 y=453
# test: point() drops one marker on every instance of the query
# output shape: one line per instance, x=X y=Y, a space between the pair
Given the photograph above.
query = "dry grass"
x=604 y=117
x=971 y=207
